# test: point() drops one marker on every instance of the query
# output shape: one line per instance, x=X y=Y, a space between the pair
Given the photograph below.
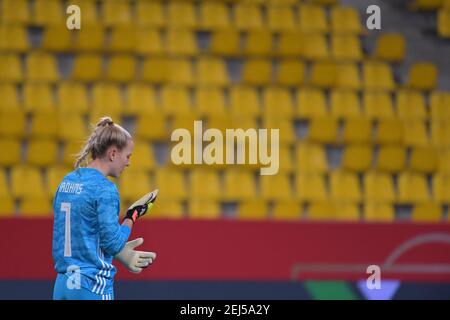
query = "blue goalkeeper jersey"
x=86 y=229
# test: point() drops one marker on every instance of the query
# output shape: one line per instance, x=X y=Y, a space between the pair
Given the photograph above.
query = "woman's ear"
x=112 y=153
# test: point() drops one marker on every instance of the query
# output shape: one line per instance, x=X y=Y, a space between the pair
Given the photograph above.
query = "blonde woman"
x=86 y=232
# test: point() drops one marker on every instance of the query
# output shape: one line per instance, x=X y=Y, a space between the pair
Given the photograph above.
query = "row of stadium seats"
x=141 y=99
x=370 y=75
x=183 y=14
x=442 y=7
x=305 y=157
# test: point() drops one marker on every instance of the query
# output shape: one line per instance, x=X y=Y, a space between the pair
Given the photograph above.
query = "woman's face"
x=120 y=159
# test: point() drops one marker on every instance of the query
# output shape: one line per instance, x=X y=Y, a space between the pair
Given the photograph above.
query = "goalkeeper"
x=86 y=232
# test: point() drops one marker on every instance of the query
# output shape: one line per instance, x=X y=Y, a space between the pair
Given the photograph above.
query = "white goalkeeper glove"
x=140 y=207
x=134 y=260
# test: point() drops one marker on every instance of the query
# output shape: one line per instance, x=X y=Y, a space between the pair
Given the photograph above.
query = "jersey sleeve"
x=112 y=236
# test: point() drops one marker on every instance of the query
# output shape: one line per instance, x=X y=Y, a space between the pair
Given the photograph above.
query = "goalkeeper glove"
x=140 y=207
x=134 y=260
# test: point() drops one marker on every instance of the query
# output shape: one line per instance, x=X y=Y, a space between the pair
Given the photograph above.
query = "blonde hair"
x=105 y=134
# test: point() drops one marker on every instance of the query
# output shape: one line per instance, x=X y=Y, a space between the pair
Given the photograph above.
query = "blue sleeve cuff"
x=126 y=231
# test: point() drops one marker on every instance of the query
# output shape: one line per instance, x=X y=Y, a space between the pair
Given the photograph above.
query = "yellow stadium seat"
x=44 y=125
x=181 y=14
x=427 y=212
x=277 y=102
x=71 y=128
x=123 y=39
x=106 y=98
x=285 y=126
x=180 y=72
x=11 y=152
x=15 y=12
x=176 y=100
x=286 y=163
x=415 y=133
x=357 y=130
x=344 y=104
x=181 y=42
x=203 y=209
x=157 y=131
x=121 y=68
x=199 y=179
x=391 y=158
x=26 y=181
x=239 y=185
x=72 y=98
x=378 y=212
x=441 y=188
x=425 y=5
x=311 y=158
x=11 y=68
x=280 y=18
x=291 y=44
x=209 y=101
x=88 y=12
x=172 y=184
x=143 y=157
x=312 y=18
x=87 y=67
x=410 y=104
x=346 y=47
x=258 y=43
x=155 y=70
x=389 y=131
x=38 y=97
x=323 y=74
x=276 y=187
x=57 y=39
x=10 y=97
x=4 y=186
x=148 y=41
x=12 y=123
x=348 y=76
x=70 y=152
x=423 y=159
x=323 y=210
x=48 y=12
x=443 y=23
x=444 y=161
x=323 y=130
x=311 y=103
x=42 y=152
x=390 y=47
x=378 y=187
x=166 y=209
x=252 y=210
x=315 y=46
x=90 y=39
x=140 y=100
x=287 y=211
x=357 y=158
x=150 y=14
x=310 y=187
x=422 y=76
x=440 y=133
x=36 y=207
x=248 y=16
x=412 y=188
x=347 y=211
x=377 y=76
x=185 y=122
x=54 y=177
x=7 y=206
x=41 y=67
x=211 y=72
x=256 y=72
x=214 y=15
x=344 y=186
x=225 y=42
x=290 y=73
x=244 y=101
x=345 y=19
x=133 y=184
x=440 y=105
x=13 y=38
x=116 y=12
x=377 y=105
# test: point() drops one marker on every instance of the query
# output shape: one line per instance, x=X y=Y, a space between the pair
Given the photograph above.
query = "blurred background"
x=363 y=115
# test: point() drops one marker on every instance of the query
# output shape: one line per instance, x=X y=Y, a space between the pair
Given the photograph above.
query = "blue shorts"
x=61 y=291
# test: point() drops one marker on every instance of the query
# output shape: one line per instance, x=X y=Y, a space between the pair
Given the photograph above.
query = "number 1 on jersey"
x=65 y=207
